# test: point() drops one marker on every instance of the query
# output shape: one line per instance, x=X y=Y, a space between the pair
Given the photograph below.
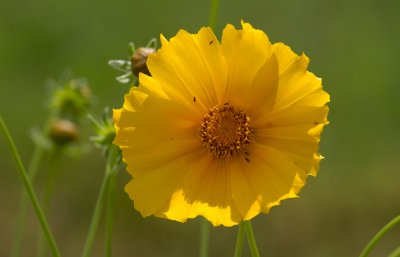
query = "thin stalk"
x=204 y=237
x=28 y=186
x=41 y=246
x=251 y=238
x=395 y=253
x=24 y=200
x=212 y=21
x=51 y=174
x=379 y=235
x=20 y=225
x=95 y=218
x=111 y=163
x=110 y=212
x=239 y=240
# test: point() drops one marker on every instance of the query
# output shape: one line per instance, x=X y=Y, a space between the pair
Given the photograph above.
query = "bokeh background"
x=353 y=46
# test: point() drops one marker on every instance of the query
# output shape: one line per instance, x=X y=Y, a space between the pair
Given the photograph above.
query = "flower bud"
x=84 y=91
x=70 y=98
x=63 y=132
x=139 y=58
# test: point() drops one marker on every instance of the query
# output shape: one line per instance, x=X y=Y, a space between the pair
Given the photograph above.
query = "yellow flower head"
x=225 y=130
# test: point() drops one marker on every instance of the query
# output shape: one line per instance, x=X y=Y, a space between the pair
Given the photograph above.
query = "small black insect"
x=194 y=99
x=247 y=159
x=212 y=41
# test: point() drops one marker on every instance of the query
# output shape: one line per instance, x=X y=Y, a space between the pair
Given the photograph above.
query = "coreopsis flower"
x=225 y=130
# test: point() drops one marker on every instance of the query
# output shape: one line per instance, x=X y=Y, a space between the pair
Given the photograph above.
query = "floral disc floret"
x=225 y=130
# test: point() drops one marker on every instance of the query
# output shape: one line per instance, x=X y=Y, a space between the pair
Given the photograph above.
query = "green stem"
x=110 y=212
x=24 y=200
x=379 y=235
x=213 y=14
x=51 y=174
x=395 y=253
x=110 y=166
x=204 y=237
x=251 y=238
x=21 y=223
x=29 y=189
x=95 y=218
x=41 y=246
x=239 y=240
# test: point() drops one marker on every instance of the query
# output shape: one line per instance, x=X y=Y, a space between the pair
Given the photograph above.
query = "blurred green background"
x=353 y=46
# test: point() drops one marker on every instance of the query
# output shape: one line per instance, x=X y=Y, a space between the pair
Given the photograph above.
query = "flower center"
x=225 y=130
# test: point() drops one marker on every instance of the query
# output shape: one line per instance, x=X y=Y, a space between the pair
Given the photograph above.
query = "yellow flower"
x=225 y=130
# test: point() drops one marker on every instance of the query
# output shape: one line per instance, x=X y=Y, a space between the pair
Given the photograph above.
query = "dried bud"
x=139 y=58
x=63 y=132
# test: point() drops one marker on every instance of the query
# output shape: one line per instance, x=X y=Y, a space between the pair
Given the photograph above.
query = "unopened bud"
x=85 y=92
x=63 y=132
x=139 y=58
x=71 y=99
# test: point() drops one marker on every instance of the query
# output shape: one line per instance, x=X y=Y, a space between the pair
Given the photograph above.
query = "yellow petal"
x=273 y=168
x=140 y=133
x=190 y=67
x=296 y=83
x=245 y=51
x=203 y=189
x=261 y=95
x=151 y=191
x=286 y=57
x=116 y=117
x=163 y=40
x=263 y=179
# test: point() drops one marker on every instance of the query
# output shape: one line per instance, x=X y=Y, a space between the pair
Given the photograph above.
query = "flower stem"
x=29 y=189
x=239 y=240
x=204 y=237
x=110 y=213
x=213 y=14
x=51 y=173
x=95 y=218
x=379 y=235
x=21 y=222
x=395 y=253
x=24 y=200
x=251 y=238
x=110 y=168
